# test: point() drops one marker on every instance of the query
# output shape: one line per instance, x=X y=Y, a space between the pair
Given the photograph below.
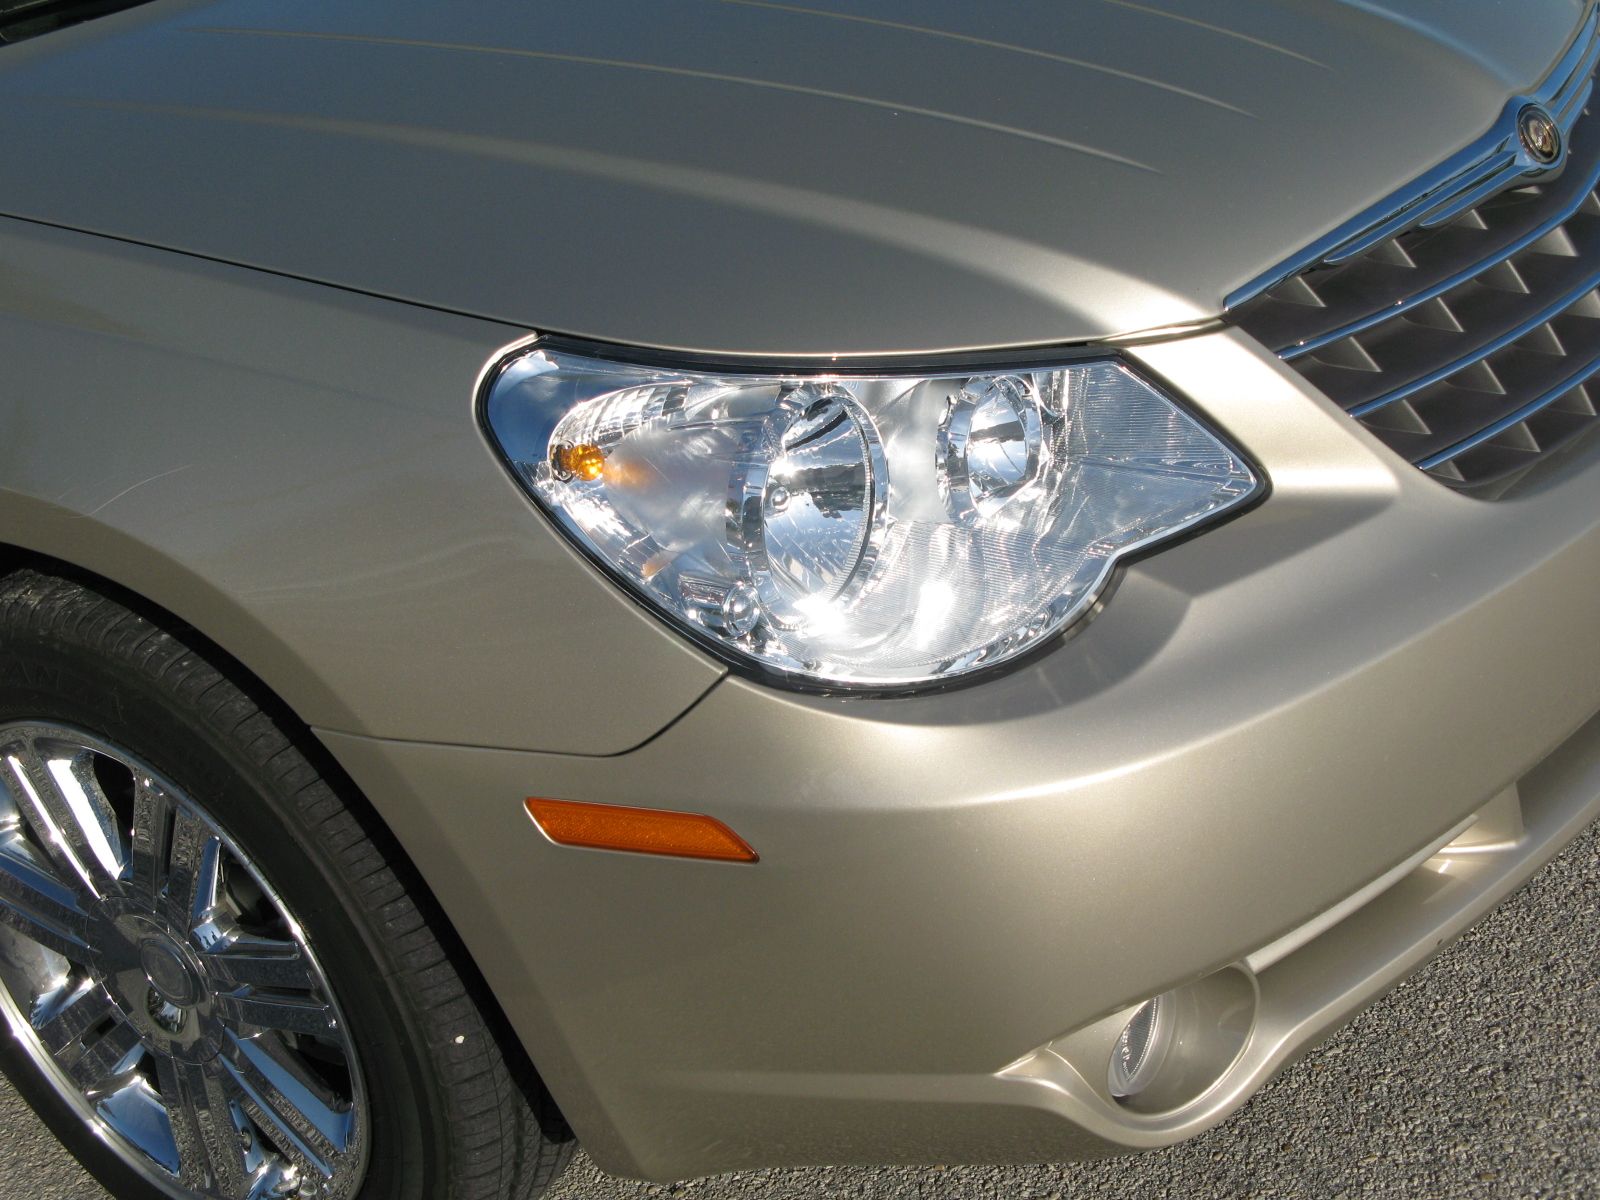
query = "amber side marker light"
x=640 y=830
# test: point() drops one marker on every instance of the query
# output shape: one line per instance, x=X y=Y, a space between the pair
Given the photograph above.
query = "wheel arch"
x=16 y=557
x=33 y=530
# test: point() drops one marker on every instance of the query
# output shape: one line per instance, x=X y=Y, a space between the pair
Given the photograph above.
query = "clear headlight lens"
x=871 y=531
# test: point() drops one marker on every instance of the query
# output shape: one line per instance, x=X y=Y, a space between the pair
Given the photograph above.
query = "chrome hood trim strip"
x=1493 y=163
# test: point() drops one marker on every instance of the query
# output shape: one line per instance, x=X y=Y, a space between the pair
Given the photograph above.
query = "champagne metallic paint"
x=956 y=890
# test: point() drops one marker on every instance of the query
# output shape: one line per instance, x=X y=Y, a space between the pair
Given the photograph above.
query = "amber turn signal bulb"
x=585 y=461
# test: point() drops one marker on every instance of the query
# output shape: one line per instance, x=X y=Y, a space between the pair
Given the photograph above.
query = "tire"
x=439 y=1102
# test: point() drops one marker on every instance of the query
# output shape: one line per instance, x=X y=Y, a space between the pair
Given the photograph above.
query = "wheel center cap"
x=168 y=972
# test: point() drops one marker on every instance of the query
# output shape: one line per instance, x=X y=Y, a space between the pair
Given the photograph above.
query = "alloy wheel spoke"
x=60 y=801
x=293 y=1109
x=35 y=903
x=137 y=912
x=211 y=1156
x=285 y=1011
x=148 y=841
x=67 y=1020
x=258 y=962
x=111 y=1085
x=137 y=1113
x=108 y=1051
x=194 y=859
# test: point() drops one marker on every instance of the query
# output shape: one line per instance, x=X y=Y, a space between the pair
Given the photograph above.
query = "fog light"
x=1141 y=1048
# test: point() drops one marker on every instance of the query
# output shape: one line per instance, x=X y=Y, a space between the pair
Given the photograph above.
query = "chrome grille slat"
x=1568 y=109
x=1438 y=268
x=1460 y=321
x=1481 y=351
x=1563 y=94
x=1453 y=208
x=1578 y=68
x=1483 y=179
x=1518 y=416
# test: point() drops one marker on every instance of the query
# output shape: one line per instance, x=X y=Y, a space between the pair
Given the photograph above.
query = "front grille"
x=1469 y=341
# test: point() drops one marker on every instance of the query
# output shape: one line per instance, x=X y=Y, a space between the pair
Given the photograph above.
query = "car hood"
x=747 y=177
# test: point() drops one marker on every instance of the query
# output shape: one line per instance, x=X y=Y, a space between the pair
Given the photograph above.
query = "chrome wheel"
x=162 y=986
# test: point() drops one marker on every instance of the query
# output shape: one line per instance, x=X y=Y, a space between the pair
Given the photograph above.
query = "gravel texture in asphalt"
x=1477 y=1078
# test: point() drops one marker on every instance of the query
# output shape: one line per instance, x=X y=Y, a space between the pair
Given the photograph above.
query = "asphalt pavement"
x=1477 y=1078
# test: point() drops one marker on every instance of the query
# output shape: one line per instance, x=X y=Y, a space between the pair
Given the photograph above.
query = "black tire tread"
x=498 y=1147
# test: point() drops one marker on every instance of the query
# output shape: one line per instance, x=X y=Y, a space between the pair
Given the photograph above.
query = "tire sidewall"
x=187 y=742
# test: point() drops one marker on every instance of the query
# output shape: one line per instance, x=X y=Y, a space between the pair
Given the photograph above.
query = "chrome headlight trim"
x=846 y=374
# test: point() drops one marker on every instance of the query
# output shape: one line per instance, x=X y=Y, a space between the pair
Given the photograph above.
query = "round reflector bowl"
x=1141 y=1048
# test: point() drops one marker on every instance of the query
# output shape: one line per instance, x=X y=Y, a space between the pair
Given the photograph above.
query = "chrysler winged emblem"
x=1539 y=134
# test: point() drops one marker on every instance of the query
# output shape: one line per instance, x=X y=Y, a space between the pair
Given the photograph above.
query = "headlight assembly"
x=875 y=531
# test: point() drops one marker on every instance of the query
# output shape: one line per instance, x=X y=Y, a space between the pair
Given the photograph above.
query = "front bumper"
x=960 y=893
